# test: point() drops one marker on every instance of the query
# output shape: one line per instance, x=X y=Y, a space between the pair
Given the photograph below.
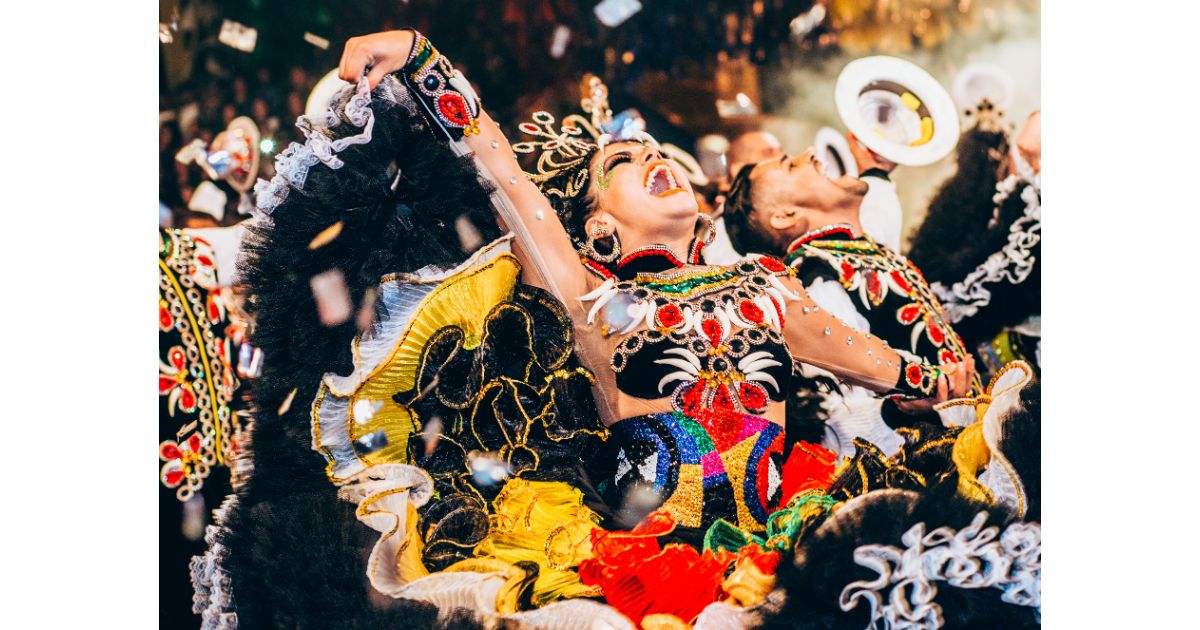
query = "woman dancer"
x=698 y=357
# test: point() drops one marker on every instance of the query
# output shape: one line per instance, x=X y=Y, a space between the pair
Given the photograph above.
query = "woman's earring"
x=590 y=250
x=710 y=229
x=698 y=245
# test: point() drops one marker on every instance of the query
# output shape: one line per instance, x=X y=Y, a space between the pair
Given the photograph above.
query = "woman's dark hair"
x=951 y=239
x=745 y=233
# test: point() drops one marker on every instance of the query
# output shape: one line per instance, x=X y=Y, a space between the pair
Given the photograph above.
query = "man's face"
x=752 y=148
x=791 y=195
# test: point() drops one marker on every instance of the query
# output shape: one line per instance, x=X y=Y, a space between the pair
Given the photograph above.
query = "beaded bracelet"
x=442 y=91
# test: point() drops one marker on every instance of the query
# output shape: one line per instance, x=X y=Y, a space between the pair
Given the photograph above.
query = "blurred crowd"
x=204 y=110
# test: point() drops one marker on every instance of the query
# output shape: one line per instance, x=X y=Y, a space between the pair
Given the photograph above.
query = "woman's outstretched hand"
x=383 y=53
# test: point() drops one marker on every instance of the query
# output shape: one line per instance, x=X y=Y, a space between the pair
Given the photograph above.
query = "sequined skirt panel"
x=725 y=466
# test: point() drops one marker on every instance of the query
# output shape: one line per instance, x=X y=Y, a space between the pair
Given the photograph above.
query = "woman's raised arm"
x=818 y=338
x=546 y=253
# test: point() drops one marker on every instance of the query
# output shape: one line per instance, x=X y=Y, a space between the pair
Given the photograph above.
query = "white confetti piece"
x=238 y=35
x=613 y=13
x=332 y=297
x=316 y=40
x=558 y=45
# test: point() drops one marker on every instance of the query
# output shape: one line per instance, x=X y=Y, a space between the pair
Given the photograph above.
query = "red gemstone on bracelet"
x=914 y=374
x=454 y=108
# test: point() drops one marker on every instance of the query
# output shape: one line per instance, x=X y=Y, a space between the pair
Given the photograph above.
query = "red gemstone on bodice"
x=722 y=400
x=751 y=312
x=874 y=287
x=669 y=315
x=754 y=399
x=712 y=330
x=693 y=399
x=847 y=271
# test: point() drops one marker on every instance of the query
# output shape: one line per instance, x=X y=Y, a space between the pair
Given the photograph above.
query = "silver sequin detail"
x=828 y=330
x=541 y=216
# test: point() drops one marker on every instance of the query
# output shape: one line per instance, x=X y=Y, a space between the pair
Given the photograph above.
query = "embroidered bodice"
x=710 y=338
x=888 y=290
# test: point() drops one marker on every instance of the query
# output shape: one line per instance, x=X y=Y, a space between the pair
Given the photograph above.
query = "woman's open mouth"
x=660 y=181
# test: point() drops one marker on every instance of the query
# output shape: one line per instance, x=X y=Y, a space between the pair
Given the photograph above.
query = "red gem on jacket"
x=934 y=332
x=669 y=315
x=909 y=313
x=751 y=312
x=754 y=399
x=771 y=264
x=874 y=287
x=914 y=374
x=847 y=271
x=712 y=329
x=454 y=108
x=945 y=357
x=898 y=278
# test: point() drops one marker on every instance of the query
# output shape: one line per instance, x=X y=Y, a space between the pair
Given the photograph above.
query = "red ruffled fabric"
x=809 y=467
x=639 y=577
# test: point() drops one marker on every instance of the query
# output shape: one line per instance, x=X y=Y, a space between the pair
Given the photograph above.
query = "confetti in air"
x=468 y=235
x=164 y=34
x=613 y=13
x=193 y=517
x=487 y=469
x=238 y=35
x=316 y=40
x=364 y=410
x=366 y=312
x=558 y=45
x=332 y=297
x=430 y=434
x=287 y=402
x=326 y=236
x=250 y=361
x=639 y=501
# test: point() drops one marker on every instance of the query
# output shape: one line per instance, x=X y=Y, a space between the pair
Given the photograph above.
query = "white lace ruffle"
x=902 y=595
x=383 y=494
x=292 y=164
x=1013 y=263
x=212 y=593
